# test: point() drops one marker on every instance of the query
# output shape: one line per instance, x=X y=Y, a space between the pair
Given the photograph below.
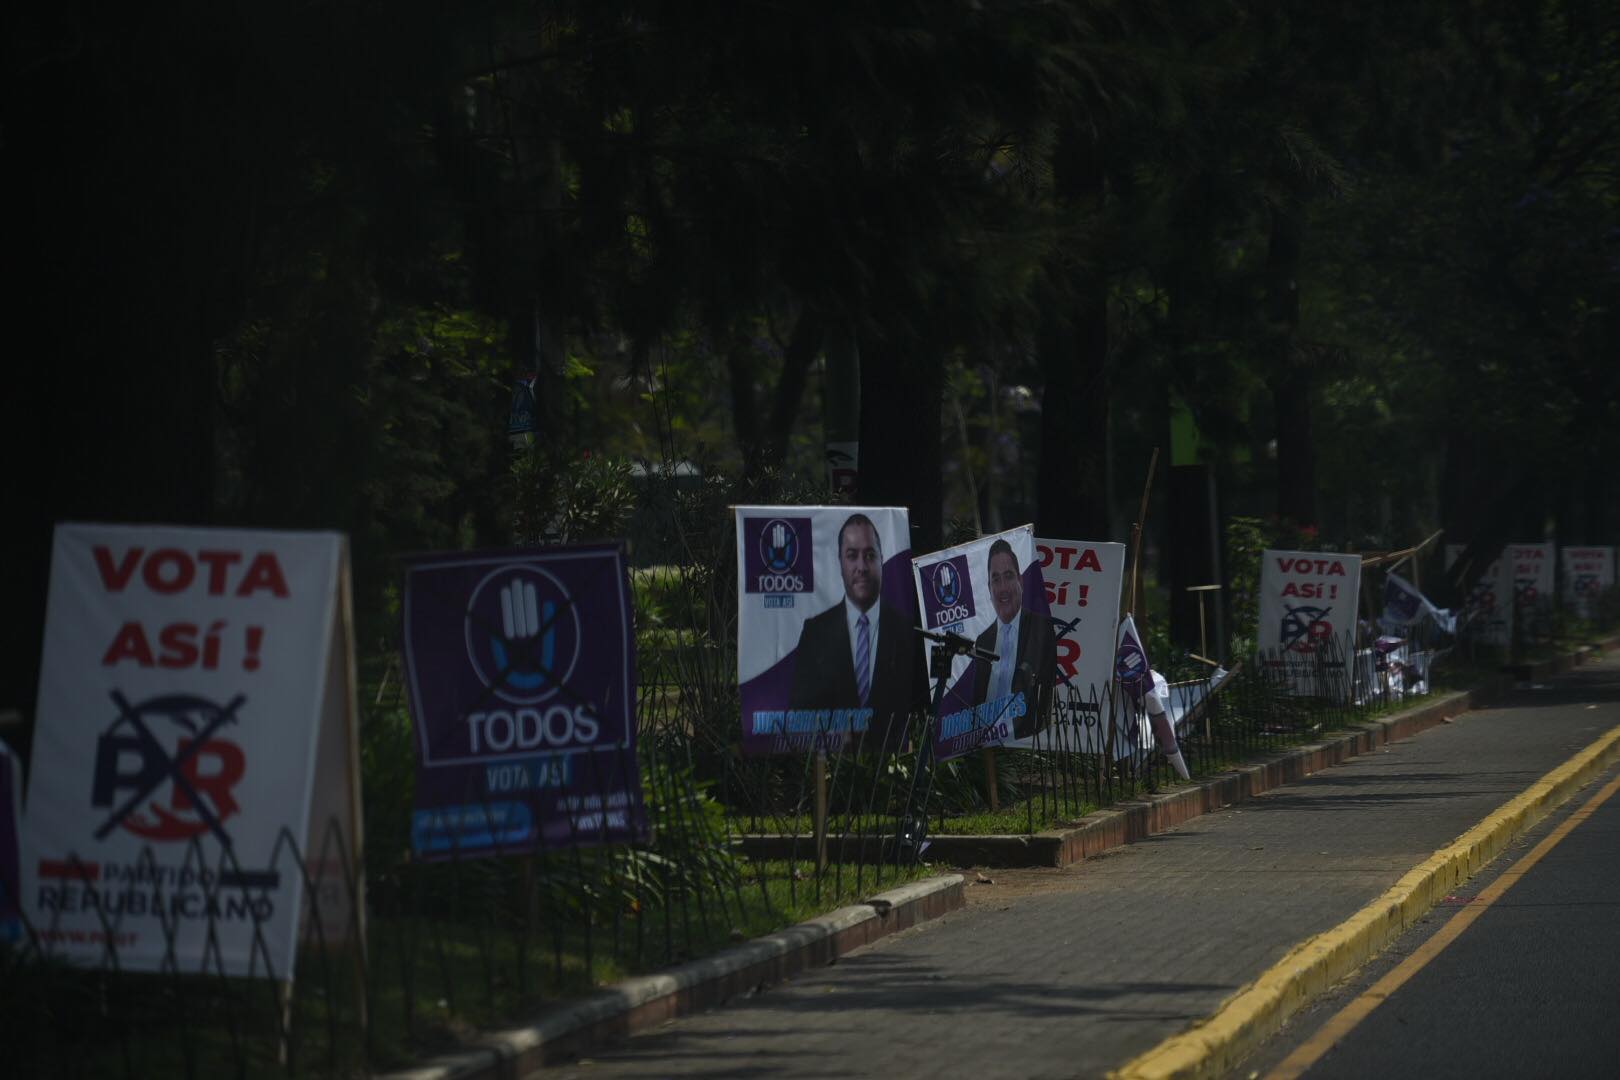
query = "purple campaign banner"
x=965 y=726
x=520 y=667
x=991 y=591
x=948 y=594
x=776 y=555
x=805 y=613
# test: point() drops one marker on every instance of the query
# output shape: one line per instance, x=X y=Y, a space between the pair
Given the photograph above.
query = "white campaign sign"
x=1588 y=573
x=1489 y=605
x=798 y=602
x=1533 y=572
x=1083 y=582
x=194 y=743
x=1308 y=602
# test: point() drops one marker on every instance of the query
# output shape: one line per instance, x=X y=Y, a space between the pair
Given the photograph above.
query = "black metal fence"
x=739 y=846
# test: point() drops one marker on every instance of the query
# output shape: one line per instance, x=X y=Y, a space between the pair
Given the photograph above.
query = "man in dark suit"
x=1024 y=643
x=860 y=653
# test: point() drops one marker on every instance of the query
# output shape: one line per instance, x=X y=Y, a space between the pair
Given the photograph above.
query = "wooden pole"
x=990 y=778
x=1203 y=639
x=1136 y=547
x=821 y=810
x=1136 y=536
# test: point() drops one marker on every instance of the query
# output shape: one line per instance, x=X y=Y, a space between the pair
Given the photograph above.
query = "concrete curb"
x=639 y=1003
x=1558 y=665
x=1218 y=1043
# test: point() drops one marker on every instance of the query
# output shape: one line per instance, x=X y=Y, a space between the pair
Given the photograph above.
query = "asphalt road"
x=1530 y=989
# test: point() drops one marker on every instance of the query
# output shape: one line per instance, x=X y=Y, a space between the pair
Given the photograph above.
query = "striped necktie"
x=863 y=660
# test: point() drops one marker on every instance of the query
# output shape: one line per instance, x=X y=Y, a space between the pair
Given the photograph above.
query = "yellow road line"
x=1345 y=1020
x=1246 y=1019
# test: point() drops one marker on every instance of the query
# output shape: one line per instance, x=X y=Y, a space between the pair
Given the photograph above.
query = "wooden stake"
x=990 y=778
x=1136 y=536
x=821 y=810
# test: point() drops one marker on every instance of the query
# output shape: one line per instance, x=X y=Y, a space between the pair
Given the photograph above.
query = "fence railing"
x=738 y=846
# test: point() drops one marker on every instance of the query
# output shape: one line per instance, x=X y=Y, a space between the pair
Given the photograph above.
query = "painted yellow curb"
x=1259 y=1009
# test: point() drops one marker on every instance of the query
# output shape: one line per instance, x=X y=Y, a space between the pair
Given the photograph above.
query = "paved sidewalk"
x=1108 y=957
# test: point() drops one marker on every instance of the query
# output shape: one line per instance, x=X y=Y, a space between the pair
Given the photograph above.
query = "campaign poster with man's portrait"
x=991 y=591
x=826 y=652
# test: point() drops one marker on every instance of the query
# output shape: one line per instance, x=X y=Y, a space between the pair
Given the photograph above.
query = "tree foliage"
x=278 y=264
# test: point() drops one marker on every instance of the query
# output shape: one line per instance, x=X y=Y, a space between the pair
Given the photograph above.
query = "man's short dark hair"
x=861 y=519
x=1000 y=547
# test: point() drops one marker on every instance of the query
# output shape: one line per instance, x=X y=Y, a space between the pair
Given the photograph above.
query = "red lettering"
x=1065 y=557
x=116 y=577
x=217 y=561
x=157 y=581
x=217 y=784
x=1068 y=656
x=263 y=573
x=1325 y=567
x=179 y=641
x=129 y=644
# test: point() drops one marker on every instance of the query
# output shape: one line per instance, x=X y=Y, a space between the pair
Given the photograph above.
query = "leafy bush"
x=1246 y=539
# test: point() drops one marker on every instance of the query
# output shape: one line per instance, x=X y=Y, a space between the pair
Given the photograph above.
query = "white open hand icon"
x=520 y=611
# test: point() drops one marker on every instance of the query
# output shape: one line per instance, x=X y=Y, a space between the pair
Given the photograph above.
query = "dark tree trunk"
x=1072 y=490
x=1072 y=476
x=130 y=167
x=1296 y=465
x=901 y=401
x=797 y=359
x=1292 y=385
x=741 y=368
x=763 y=436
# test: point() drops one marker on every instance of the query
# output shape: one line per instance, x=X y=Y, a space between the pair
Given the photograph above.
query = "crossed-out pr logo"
x=1304 y=628
x=170 y=739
